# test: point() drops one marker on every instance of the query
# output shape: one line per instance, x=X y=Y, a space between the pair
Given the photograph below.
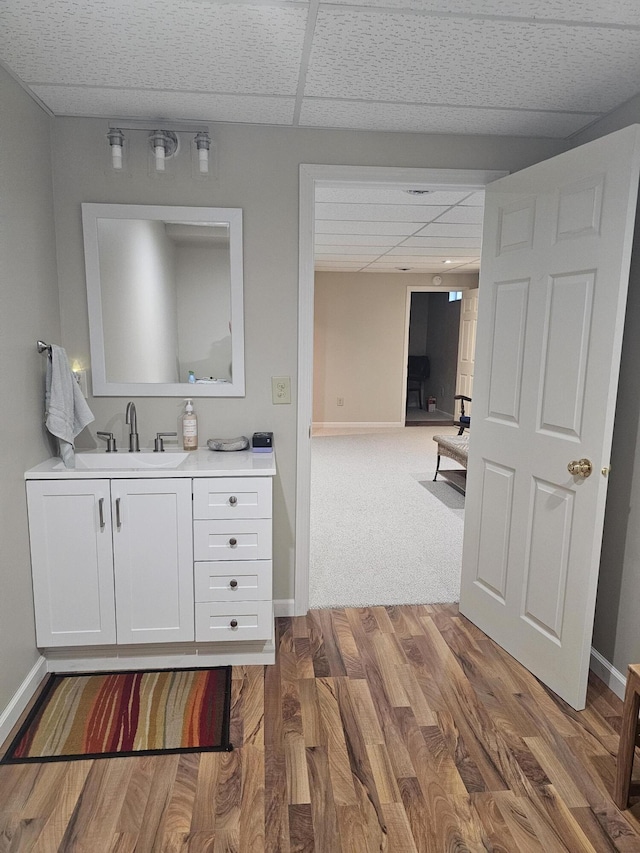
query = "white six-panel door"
x=554 y=275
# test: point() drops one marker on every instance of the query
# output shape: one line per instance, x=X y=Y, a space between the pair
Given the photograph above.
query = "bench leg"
x=437 y=468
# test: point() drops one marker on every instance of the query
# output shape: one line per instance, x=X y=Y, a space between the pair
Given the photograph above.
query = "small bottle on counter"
x=189 y=427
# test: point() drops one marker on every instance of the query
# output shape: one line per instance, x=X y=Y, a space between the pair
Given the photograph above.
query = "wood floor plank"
x=334 y=742
x=301 y=834
x=252 y=802
x=378 y=730
x=346 y=644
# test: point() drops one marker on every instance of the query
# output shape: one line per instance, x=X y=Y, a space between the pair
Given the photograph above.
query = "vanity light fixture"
x=116 y=141
x=165 y=145
x=203 y=144
x=164 y=142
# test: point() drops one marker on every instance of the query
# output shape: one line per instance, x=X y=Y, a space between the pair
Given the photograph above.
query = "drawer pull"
x=233 y=584
x=101 y=511
x=233 y=500
x=118 y=519
x=233 y=542
x=234 y=623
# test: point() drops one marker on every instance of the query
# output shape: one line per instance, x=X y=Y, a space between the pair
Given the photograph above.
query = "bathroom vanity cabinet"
x=153 y=563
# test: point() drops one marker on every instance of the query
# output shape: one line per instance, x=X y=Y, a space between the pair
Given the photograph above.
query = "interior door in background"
x=466 y=348
x=553 y=285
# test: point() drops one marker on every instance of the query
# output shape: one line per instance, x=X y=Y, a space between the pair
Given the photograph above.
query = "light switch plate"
x=280 y=389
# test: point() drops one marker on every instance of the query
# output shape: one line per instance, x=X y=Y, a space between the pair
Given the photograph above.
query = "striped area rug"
x=103 y=715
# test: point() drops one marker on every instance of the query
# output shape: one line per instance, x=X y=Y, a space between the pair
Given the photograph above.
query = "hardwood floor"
x=394 y=729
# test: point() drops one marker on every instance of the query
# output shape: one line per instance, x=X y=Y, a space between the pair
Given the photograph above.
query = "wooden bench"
x=455 y=447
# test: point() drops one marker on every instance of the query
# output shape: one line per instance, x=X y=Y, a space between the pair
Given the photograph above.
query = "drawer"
x=225 y=621
x=232 y=497
x=248 y=580
x=244 y=539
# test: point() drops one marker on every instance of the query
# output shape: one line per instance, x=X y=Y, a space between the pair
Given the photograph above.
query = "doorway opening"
x=313 y=177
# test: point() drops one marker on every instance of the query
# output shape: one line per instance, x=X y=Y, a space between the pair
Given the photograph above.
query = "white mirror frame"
x=101 y=387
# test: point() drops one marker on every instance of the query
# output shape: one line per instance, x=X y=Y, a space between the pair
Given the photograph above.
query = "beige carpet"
x=381 y=532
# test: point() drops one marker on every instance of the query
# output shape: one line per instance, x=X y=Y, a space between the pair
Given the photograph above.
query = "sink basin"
x=123 y=461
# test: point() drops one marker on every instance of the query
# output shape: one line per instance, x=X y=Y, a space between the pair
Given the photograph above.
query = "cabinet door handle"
x=233 y=542
x=118 y=519
x=234 y=623
x=101 y=512
x=233 y=584
x=233 y=500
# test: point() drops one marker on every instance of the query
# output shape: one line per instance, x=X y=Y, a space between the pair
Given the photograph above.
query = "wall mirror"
x=165 y=299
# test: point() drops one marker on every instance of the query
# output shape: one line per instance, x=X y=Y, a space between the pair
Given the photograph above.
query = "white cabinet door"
x=72 y=562
x=153 y=560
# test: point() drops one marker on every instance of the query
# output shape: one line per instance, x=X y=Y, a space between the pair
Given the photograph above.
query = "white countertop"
x=199 y=463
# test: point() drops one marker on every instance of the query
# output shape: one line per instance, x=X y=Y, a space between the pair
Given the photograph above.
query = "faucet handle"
x=158 y=444
x=111 y=442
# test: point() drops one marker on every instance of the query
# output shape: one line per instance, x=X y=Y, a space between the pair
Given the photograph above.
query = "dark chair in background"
x=464 y=421
x=418 y=371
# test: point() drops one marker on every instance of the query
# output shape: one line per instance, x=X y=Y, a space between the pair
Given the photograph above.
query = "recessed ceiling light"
x=417 y=192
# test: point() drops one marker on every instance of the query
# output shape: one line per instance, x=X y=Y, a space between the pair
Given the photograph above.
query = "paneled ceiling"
x=523 y=67
x=544 y=68
x=397 y=229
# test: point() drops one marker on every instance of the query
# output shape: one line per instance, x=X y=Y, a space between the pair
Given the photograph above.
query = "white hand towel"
x=67 y=412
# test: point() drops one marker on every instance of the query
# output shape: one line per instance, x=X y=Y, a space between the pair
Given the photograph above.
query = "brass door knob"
x=580 y=468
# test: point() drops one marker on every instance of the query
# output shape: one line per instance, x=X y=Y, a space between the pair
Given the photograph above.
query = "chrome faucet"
x=132 y=419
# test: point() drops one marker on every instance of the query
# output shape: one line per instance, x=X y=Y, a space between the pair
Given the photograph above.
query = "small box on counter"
x=262 y=442
x=431 y=404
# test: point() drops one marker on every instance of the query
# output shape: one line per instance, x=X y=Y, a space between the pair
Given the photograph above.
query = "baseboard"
x=356 y=425
x=607 y=672
x=284 y=607
x=21 y=698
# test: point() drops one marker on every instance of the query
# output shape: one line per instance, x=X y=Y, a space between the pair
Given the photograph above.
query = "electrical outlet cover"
x=280 y=390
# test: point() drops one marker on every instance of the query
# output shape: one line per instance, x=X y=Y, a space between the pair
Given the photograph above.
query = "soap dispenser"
x=189 y=427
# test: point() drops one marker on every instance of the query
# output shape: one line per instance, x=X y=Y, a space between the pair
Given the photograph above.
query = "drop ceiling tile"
x=463 y=215
x=378 y=267
x=475 y=199
x=400 y=229
x=186 y=44
x=356 y=252
x=418 y=118
x=435 y=229
x=340 y=257
x=379 y=212
x=448 y=243
x=435 y=251
x=354 y=240
x=175 y=106
x=600 y=11
x=471 y=62
x=388 y=195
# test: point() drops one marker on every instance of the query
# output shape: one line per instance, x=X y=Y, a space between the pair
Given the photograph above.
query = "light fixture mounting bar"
x=176 y=127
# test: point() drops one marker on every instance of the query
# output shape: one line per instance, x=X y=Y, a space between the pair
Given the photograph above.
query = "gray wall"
x=442 y=348
x=418 y=321
x=28 y=310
